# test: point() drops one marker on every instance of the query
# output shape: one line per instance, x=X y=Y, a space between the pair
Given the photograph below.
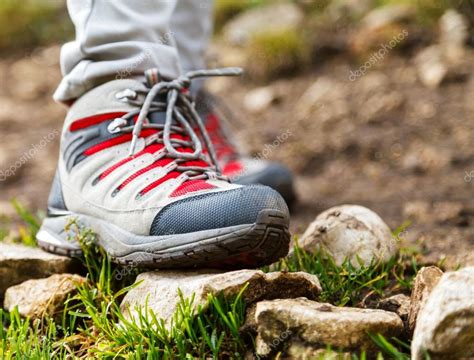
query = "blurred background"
x=369 y=102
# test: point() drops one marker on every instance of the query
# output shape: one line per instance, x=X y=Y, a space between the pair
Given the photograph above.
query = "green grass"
x=31 y=224
x=26 y=228
x=93 y=326
x=350 y=285
x=23 y=339
x=397 y=350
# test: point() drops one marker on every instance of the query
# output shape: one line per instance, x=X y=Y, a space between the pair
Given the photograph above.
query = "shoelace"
x=179 y=108
x=219 y=118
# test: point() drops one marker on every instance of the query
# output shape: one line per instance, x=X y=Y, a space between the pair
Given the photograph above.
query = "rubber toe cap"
x=217 y=210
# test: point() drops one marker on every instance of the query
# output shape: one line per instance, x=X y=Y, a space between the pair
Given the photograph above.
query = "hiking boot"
x=133 y=169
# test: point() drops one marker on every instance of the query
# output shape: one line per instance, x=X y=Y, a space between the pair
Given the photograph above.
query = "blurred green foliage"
x=273 y=52
x=224 y=10
x=429 y=11
x=314 y=6
x=26 y=24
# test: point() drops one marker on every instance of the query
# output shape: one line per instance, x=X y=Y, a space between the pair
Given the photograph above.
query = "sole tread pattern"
x=264 y=243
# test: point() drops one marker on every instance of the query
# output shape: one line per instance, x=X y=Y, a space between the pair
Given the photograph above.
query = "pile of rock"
x=163 y=289
x=20 y=263
x=300 y=326
x=36 y=281
x=283 y=309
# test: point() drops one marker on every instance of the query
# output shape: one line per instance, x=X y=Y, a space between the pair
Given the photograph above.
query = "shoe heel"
x=53 y=237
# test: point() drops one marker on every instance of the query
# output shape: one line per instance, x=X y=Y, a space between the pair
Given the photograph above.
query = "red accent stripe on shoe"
x=212 y=122
x=171 y=175
x=94 y=120
x=113 y=167
x=116 y=141
x=149 y=150
x=191 y=186
x=159 y=163
x=232 y=168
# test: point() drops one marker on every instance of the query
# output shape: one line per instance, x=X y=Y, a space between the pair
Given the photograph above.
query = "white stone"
x=445 y=324
x=19 y=263
x=320 y=325
x=454 y=32
x=258 y=100
x=159 y=290
x=40 y=297
x=431 y=67
x=352 y=232
x=424 y=283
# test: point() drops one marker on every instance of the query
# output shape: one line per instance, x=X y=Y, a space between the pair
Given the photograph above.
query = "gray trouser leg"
x=116 y=39
x=191 y=24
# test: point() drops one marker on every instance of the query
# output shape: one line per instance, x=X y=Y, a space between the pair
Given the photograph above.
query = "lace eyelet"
x=116 y=125
x=126 y=95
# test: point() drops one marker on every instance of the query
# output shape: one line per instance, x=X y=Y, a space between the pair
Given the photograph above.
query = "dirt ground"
x=383 y=141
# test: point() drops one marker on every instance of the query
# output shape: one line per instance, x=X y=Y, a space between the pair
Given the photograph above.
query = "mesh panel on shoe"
x=216 y=210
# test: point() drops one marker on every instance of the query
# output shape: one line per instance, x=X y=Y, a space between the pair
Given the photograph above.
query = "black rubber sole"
x=249 y=246
x=267 y=241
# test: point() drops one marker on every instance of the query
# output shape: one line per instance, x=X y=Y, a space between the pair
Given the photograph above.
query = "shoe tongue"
x=158 y=117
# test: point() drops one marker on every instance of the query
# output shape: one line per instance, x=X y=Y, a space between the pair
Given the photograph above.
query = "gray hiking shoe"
x=133 y=169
